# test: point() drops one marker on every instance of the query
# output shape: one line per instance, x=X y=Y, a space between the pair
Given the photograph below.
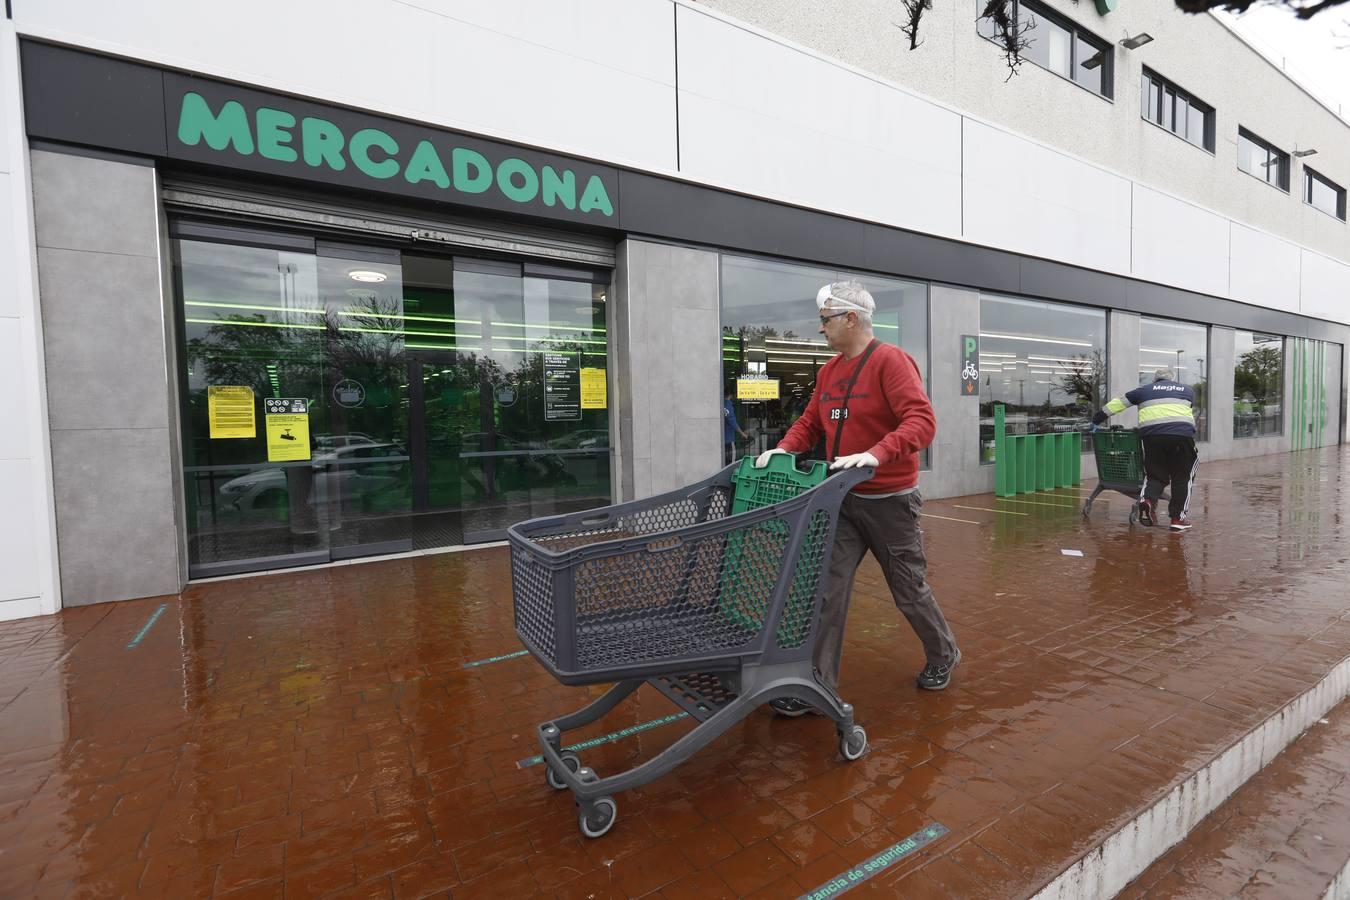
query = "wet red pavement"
x=319 y=734
x=1285 y=834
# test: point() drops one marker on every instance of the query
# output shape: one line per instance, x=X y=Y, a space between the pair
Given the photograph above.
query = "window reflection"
x=1045 y=362
x=770 y=331
x=1182 y=347
x=1258 y=384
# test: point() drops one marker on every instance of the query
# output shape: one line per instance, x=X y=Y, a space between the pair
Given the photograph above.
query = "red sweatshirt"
x=889 y=416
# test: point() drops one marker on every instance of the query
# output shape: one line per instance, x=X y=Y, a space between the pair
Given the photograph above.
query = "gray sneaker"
x=936 y=676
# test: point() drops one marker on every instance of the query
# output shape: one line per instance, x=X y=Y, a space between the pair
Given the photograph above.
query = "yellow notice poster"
x=593 y=389
x=756 y=388
x=230 y=412
x=287 y=429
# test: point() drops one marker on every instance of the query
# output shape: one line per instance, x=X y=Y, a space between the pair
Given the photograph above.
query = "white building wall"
x=846 y=119
x=28 y=581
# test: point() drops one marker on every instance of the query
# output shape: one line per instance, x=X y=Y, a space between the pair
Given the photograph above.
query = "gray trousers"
x=889 y=527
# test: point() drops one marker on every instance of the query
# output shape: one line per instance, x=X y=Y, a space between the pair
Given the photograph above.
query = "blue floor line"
x=154 y=617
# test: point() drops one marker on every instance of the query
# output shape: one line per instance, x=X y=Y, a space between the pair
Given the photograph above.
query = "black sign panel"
x=562 y=388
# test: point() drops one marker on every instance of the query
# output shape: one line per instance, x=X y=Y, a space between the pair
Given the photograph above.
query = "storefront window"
x=442 y=398
x=1045 y=362
x=771 y=342
x=1182 y=347
x=1258 y=384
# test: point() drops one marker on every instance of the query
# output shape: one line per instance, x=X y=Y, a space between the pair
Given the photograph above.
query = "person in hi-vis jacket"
x=1167 y=433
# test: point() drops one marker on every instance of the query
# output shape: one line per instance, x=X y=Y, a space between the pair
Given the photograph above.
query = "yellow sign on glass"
x=287 y=429
x=593 y=394
x=230 y=412
x=756 y=388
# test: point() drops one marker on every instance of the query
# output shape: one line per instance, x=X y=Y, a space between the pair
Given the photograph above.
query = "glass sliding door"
x=344 y=400
x=363 y=458
x=253 y=328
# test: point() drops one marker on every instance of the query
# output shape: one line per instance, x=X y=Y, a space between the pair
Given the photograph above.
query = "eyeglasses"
x=824 y=320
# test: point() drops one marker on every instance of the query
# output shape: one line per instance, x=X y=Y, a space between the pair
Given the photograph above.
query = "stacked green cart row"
x=1025 y=463
x=744 y=596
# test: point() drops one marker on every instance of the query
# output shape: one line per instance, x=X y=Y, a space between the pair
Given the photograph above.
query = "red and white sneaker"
x=1146 y=516
x=1181 y=524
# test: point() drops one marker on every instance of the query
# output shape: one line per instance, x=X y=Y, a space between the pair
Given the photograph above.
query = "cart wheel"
x=597 y=818
x=573 y=763
x=1134 y=514
x=1087 y=508
x=854 y=744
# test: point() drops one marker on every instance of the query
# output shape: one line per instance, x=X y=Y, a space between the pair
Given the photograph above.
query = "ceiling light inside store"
x=586 y=310
x=367 y=276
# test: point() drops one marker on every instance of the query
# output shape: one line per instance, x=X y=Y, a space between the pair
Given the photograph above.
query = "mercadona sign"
x=243 y=128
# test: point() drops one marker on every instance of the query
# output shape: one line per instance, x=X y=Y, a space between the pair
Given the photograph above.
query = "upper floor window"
x=1058 y=44
x=1262 y=159
x=1181 y=113
x=1323 y=193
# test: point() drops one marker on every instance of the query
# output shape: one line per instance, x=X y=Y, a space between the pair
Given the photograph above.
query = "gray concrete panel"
x=114 y=514
x=1220 y=384
x=104 y=334
x=82 y=203
x=670 y=310
x=1122 y=361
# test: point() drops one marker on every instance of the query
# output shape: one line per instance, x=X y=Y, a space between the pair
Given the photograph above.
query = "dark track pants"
x=1170 y=459
x=889 y=527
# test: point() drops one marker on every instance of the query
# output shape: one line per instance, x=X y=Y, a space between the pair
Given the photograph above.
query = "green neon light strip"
x=548 y=327
x=556 y=340
x=609 y=738
x=256 y=306
x=256 y=324
x=459 y=348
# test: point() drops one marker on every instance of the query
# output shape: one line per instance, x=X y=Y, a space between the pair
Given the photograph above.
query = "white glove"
x=763 y=459
x=855 y=459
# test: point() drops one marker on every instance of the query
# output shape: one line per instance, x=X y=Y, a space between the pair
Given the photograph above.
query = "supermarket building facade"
x=277 y=299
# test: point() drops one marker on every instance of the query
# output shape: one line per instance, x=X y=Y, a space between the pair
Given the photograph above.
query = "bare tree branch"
x=914 y=10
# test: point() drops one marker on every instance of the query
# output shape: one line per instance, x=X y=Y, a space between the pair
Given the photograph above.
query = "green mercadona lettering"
x=275 y=134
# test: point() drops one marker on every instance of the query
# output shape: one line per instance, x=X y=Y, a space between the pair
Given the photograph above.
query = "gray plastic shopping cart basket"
x=715 y=609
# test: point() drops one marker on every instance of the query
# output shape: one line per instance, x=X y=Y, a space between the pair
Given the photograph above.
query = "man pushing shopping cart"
x=1167 y=435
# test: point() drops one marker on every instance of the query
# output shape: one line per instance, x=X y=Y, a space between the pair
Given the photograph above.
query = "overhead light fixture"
x=1139 y=40
x=367 y=276
x=1302 y=153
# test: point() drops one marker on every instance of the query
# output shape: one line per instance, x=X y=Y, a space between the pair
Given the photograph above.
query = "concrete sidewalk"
x=367 y=730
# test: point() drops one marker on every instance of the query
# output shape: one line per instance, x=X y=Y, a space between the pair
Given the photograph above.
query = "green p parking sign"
x=970 y=365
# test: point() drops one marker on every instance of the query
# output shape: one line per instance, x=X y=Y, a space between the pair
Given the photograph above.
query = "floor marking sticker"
x=493 y=659
x=609 y=738
x=1006 y=512
x=877 y=864
x=1072 y=552
x=154 y=617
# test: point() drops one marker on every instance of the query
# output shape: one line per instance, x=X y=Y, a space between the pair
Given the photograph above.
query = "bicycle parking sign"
x=970 y=365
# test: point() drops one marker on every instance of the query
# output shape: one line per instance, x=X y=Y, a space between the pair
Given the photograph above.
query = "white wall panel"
x=15 y=388
x=1025 y=197
x=1325 y=288
x=760 y=117
x=18 y=546
x=560 y=74
x=1179 y=244
x=9 y=295
x=1263 y=269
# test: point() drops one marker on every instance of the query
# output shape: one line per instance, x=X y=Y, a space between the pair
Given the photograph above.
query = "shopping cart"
x=1120 y=465
x=710 y=594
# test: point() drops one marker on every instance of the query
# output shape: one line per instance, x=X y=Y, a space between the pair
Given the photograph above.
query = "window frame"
x=1309 y=176
x=1076 y=32
x=1165 y=88
x=1284 y=159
